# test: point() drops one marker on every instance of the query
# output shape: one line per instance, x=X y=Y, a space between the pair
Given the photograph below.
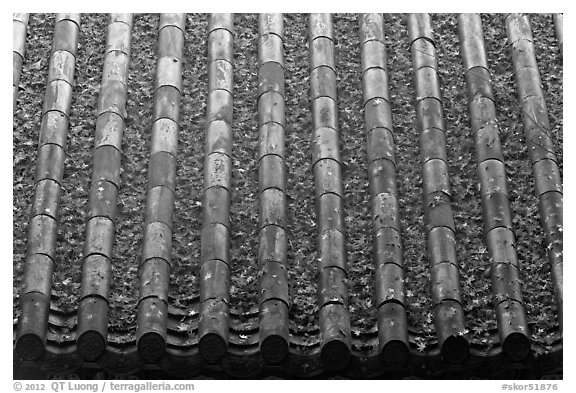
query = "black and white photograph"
x=287 y=196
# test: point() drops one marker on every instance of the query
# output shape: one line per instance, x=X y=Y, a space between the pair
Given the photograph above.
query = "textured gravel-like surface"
x=300 y=179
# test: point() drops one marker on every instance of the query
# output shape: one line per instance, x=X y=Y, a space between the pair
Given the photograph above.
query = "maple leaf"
x=421 y=346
